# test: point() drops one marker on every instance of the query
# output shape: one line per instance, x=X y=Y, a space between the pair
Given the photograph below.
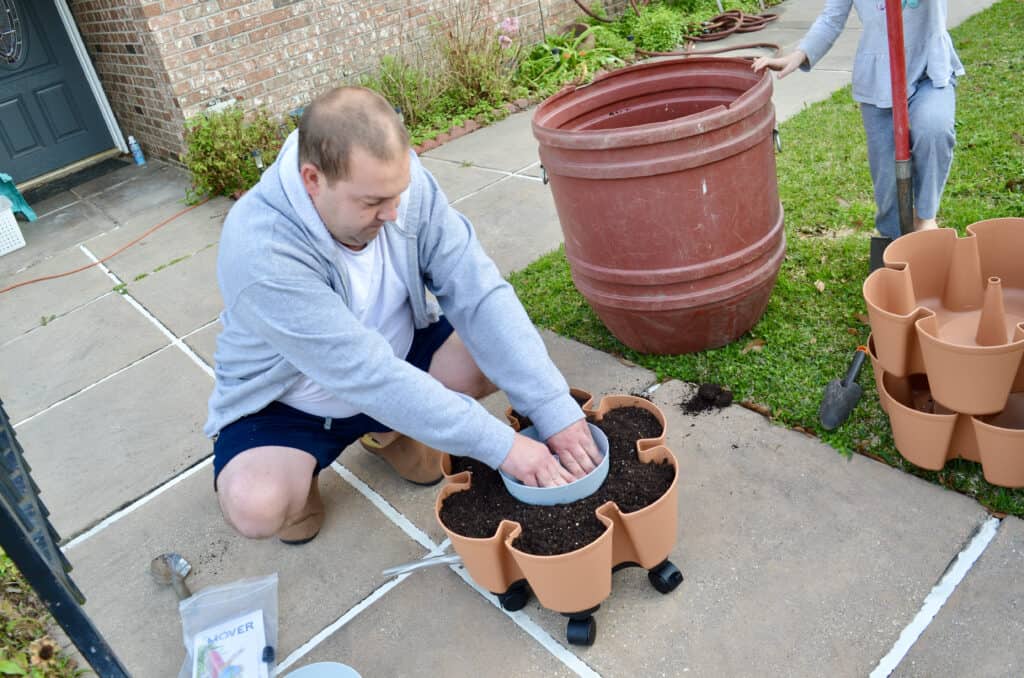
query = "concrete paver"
x=318 y=581
x=432 y=624
x=515 y=220
x=500 y=146
x=185 y=235
x=119 y=440
x=165 y=186
x=458 y=180
x=183 y=295
x=72 y=352
x=24 y=308
x=54 y=233
x=977 y=631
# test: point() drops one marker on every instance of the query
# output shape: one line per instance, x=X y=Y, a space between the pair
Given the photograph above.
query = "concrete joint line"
x=505 y=176
x=173 y=338
x=200 y=329
x=137 y=504
x=937 y=597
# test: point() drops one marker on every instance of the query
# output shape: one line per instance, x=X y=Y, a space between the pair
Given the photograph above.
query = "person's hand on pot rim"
x=532 y=463
x=575 y=448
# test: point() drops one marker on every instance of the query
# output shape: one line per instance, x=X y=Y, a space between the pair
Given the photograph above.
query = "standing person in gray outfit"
x=329 y=337
x=932 y=69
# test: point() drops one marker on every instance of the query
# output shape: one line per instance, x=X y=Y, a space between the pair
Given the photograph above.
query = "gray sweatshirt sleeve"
x=488 y=316
x=824 y=31
x=311 y=327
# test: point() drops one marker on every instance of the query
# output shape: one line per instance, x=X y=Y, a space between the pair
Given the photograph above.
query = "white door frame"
x=90 y=75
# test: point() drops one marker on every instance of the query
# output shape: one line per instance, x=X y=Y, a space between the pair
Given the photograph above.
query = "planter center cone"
x=663 y=175
x=992 y=324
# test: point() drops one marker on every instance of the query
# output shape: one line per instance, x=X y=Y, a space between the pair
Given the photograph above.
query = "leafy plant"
x=227 y=153
x=571 y=57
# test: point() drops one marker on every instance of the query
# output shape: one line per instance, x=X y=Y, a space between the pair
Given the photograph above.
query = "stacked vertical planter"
x=947 y=346
x=576 y=583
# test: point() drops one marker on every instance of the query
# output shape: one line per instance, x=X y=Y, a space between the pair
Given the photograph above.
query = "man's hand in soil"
x=533 y=464
x=576 y=449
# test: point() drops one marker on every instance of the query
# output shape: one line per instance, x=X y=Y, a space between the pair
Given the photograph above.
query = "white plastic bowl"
x=564 y=494
x=325 y=670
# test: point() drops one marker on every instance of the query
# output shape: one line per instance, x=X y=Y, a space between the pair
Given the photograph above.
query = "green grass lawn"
x=809 y=335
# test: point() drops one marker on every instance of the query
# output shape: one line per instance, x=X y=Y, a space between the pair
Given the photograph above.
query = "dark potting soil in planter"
x=551 y=530
x=707 y=397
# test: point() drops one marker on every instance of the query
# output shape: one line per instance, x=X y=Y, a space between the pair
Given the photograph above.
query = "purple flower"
x=504 y=41
x=509 y=26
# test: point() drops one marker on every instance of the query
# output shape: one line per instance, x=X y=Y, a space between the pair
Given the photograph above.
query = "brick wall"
x=163 y=62
x=131 y=69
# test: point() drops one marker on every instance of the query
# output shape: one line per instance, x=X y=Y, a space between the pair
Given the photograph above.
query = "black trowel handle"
x=855 y=365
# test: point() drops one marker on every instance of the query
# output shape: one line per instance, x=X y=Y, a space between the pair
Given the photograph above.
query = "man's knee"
x=256 y=508
x=454 y=367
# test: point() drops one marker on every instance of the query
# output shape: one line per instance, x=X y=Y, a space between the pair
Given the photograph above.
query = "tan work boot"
x=411 y=459
x=307 y=525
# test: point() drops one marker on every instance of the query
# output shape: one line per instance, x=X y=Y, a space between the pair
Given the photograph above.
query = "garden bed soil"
x=553 y=530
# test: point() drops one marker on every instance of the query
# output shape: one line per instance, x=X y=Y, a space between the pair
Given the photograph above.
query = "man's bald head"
x=346 y=118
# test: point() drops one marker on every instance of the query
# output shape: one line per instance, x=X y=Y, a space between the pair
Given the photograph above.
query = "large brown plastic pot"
x=663 y=175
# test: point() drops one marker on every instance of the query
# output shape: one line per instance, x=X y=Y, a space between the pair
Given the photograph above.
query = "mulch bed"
x=552 y=530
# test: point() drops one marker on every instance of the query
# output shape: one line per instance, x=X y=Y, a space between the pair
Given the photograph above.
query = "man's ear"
x=312 y=178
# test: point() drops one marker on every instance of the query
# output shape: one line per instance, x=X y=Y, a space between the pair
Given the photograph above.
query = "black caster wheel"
x=581 y=631
x=665 y=577
x=516 y=598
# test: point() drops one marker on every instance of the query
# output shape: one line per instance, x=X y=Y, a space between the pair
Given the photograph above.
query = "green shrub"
x=659 y=28
x=410 y=88
x=220 y=150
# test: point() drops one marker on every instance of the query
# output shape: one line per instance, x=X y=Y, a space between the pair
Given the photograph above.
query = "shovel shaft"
x=855 y=365
x=898 y=76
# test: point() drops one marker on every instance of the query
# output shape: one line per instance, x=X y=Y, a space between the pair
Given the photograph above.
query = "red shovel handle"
x=898 y=76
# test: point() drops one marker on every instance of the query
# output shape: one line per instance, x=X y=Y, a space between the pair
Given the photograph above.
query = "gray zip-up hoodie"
x=285 y=295
x=928 y=48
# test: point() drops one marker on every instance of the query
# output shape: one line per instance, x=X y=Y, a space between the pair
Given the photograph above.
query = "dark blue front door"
x=49 y=117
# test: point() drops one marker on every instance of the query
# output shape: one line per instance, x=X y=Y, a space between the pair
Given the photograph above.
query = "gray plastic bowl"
x=564 y=494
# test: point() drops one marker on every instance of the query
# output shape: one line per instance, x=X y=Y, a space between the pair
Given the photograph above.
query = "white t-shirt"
x=380 y=300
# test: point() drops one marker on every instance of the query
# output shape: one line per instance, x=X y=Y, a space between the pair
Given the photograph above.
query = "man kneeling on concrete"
x=329 y=337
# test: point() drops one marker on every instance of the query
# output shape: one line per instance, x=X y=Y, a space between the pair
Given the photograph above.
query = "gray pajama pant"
x=932 y=138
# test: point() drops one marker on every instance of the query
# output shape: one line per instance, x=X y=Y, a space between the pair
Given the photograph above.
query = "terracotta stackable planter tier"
x=576 y=583
x=947 y=346
x=663 y=176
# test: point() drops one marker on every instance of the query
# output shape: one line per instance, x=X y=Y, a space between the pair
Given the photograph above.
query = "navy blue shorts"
x=284 y=426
